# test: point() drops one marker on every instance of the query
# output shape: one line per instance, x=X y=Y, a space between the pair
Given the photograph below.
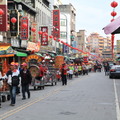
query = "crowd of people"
x=19 y=76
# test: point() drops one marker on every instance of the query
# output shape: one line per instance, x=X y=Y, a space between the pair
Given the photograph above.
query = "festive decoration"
x=113 y=13
x=33 y=29
x=1 y=12
x=45 y=34
x=40 y=32
x=24 y=25
x=55 y=38
x=50 y=36
x=112 y=20
x=13 y=20
x=114 y=4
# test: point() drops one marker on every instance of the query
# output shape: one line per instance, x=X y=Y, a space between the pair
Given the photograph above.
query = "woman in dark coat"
x=26 y=79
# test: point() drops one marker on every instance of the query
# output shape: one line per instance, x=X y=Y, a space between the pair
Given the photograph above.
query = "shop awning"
x=21 y=54
x=6 y=51
x=113 y=27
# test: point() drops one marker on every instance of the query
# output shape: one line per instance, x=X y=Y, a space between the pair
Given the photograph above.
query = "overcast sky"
x=93 y=15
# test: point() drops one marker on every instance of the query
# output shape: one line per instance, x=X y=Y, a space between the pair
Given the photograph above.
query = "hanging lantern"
x=45 y=34
x=24 y=25
x=50 y=36
x=1 y=12
x=114 y=4
x=113 y=13
x=55 y=38
x=33 y=29
x=13 y=20
x=58 y=40
x=112 y=20
x=40 y=32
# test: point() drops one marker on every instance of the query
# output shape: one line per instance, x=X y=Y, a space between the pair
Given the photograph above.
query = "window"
x=63 y=22
x=63 y=35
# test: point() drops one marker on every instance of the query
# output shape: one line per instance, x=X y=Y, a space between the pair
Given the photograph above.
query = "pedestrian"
x=26 y=79
x=18 y=87
x=64 y=74
x=13 y=77
x=58 y=75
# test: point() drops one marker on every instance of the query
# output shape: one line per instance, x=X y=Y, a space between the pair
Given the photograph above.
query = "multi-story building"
x=68 y=12
x=81 y=40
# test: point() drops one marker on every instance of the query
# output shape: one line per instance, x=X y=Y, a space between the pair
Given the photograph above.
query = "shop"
x=6 y=56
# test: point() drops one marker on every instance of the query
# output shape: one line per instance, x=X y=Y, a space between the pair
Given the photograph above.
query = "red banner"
x=3 y=18
x=24 y=31
x=44 y=38
x=56 y=23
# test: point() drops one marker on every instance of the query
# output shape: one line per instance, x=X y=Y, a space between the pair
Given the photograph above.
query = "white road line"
x=116 y=101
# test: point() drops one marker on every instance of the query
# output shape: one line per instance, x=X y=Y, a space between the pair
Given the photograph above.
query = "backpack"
x=15 y=80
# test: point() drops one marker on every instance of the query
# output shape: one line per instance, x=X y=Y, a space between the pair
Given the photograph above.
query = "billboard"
x=44 y=38
x=14 y=27
x=24 y=31
x=56 y=23
x=3 y=18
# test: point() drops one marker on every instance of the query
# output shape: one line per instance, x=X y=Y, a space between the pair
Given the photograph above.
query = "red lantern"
x=113 y=13
x=58 y=40
x=40 y=32
x=50 y=36
x=114 y=4
x=24 y=25
x=55 y=38
x=1 y=12
x=112 y=20
x=13 y=20
x=45 y=34
x=33 y=29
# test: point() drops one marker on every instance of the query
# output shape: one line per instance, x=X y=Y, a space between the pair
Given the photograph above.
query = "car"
x=114 y=71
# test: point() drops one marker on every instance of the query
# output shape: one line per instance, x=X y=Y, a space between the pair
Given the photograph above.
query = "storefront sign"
x=14 y=27
x=33 y=46
x=34 y=35
x=44 y=38
x=56 y=23
x=24 y=31
x=3 y=18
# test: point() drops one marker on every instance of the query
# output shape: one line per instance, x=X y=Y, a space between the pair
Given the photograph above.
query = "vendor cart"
x=50 y=76
x=4 y=90
x=37 y=82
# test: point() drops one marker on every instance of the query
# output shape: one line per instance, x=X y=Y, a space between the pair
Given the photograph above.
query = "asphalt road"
x=89 y=97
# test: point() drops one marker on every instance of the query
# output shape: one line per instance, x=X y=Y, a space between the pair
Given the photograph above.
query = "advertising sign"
x=3 y=18
x=34 y=34
x=24 y=31
x=56 y=23
x=14 y=27
x=44 y=38
x=33 y=46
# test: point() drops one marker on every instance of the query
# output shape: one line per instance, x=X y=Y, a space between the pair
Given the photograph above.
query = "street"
x=89 y=97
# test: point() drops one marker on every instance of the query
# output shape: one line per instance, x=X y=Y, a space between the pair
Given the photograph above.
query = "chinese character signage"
x=24 y=31
x=14 y=27
x=56 y=23
x=3 y=18
x=44 y=38
x=34 y=34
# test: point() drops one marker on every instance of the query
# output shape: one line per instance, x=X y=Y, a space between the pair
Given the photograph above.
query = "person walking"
x=13 y=77
x=64 y=74
x=26 y=79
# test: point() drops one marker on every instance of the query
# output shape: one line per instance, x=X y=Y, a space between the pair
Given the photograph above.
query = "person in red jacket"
x=64 y=74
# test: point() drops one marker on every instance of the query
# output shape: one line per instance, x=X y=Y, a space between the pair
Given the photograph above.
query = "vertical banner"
x=3 y=18
x=56 y=23
x=34 y=34
x=44 y=38
x=24 y=30
x=14 y=27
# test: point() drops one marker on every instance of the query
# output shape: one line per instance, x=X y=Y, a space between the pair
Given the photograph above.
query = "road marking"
x=116 y=101
x=22 y=107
